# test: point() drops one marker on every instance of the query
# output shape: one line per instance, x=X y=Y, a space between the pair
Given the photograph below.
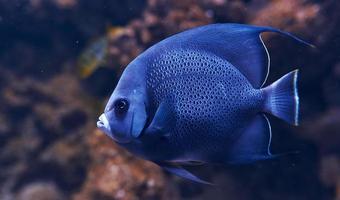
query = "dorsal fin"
x=239 y=44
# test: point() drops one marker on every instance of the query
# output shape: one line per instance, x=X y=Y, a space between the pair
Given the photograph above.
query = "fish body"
x=198 y=97
x=209 y=100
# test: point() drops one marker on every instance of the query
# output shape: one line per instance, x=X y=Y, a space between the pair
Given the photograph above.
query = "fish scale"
x=197 y=83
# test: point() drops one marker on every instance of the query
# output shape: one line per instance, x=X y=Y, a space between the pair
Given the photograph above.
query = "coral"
x=45 y=122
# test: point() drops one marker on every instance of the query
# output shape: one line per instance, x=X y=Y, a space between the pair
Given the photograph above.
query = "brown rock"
x=324 y=130
x=40 y=191
x=292 y=15
x=116 y=174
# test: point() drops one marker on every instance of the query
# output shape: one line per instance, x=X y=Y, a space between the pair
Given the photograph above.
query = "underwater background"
x=60 y=61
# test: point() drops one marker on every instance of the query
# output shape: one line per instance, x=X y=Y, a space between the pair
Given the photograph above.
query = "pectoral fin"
x=163 y=121
x=181 y=172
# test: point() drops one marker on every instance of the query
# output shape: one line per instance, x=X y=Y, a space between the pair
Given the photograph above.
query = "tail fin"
x=282 y=98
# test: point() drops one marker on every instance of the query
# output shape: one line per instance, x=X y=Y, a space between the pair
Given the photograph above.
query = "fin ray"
x=283 y=99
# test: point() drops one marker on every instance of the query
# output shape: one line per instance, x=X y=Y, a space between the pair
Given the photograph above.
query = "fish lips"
x=118 y=136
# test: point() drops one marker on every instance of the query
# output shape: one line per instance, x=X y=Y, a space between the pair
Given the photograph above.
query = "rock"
x=46 y=123
x=330 y=170
x=115 y=174
x=40 y=191
x=324 y=130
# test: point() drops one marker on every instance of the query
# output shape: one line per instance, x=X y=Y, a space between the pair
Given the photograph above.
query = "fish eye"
x=121 y=106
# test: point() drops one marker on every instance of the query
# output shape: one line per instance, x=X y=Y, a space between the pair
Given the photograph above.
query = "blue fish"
x=198 y=97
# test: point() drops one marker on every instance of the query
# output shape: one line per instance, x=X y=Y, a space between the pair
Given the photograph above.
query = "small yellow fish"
x=95 y=55
x=92 y=57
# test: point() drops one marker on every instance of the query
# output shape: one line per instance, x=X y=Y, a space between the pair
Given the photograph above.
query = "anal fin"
x=181 y=172
x=253 y=143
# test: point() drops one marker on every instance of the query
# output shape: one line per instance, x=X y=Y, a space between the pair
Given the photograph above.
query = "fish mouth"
x=104 y=125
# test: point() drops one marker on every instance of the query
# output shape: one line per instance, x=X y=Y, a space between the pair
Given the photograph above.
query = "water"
x=51 y=149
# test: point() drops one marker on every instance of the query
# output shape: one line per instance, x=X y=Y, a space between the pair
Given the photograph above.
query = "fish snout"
x=104 y=125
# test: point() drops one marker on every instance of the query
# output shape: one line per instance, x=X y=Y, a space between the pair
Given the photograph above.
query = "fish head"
x=124 y=117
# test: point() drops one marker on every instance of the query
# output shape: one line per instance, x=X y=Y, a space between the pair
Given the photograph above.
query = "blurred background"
x=61 y=59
